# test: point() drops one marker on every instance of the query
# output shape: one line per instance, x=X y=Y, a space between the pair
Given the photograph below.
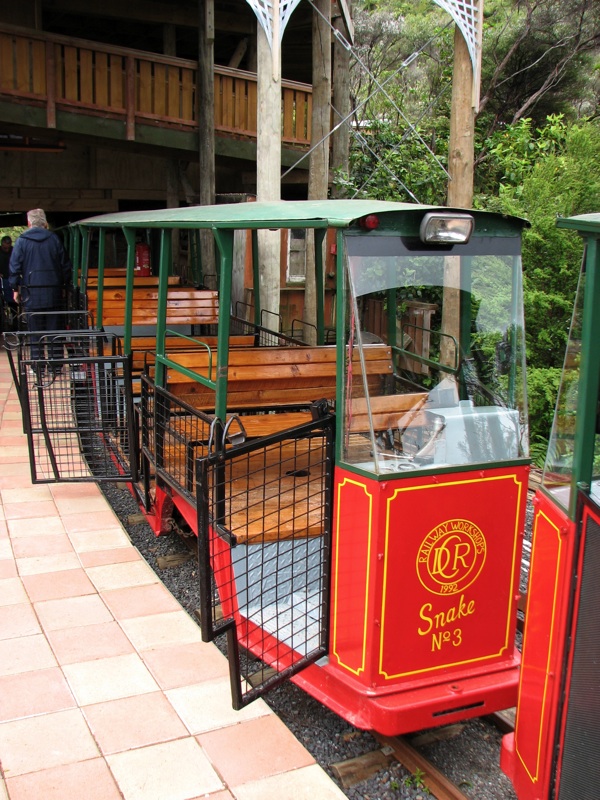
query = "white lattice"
x=466 y=14
x=273 y=15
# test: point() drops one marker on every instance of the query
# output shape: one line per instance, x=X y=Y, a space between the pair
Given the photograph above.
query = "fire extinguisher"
x=142 y=260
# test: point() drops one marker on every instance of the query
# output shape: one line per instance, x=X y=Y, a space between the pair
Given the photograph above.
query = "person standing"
x=39 y=272
x=5 y=253
x=8 y=304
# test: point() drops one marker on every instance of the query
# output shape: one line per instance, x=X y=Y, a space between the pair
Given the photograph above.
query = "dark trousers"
x=40 y=322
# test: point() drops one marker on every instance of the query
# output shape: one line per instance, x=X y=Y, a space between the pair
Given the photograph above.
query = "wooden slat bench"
x=185 y=306
x=144 y=347
x=112 y=281
x=387 y=411
x=273 y=378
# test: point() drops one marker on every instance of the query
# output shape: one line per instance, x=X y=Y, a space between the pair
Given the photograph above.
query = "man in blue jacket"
x=39 y=272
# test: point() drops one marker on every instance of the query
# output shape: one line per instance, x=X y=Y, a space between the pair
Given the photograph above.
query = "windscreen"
x=448 y=323
x=559 y=468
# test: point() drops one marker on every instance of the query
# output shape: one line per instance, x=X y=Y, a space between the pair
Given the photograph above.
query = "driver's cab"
x=445 y=291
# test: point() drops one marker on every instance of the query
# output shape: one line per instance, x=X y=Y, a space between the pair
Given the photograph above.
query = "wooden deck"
x=136 y=88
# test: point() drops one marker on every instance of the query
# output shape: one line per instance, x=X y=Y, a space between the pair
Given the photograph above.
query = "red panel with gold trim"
x=425 y=575
x=353 y=516
x=459 y=541
x=527 y=755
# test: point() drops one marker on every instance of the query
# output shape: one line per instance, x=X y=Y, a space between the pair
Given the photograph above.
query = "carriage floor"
x=107 y=689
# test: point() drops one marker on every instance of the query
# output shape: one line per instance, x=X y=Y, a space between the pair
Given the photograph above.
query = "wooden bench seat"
x=278 y=378
x=387 y=411
x=275 y=376
x=143 y=348
x=276 y=493
x=112 y=281
x=185 y=306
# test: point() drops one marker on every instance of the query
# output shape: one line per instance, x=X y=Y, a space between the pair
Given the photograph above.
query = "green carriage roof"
x=282 y=213
x=587 y=223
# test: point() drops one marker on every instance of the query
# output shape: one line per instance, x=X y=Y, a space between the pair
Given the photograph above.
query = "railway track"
x=425 y=773
x=422 y=772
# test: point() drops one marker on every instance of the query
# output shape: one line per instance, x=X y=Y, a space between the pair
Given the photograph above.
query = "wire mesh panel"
x=264 y=520
x=66 y=319
x=264 y=337
x=20 y=343
x=174 y=435
x=77 y=407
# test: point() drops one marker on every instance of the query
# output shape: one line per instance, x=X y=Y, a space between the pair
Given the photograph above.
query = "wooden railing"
x=137 y=87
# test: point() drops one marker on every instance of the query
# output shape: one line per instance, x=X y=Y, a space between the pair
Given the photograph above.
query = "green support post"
x=129 y=234
x=391 y=317
x=589 y=378
x=85 y=255
x=320 y=279
x=166 y=237
x=101 y=262
x=256 y=277
x=224 y=240
x=340 y=337
x=465 y=320
x=516 y=304
x=76 y=256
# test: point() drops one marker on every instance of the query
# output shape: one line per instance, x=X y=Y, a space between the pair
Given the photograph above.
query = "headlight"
x=439 y=228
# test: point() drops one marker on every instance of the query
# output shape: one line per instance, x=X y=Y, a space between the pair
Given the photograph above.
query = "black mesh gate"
x=264 y=522
x=578 y=764
x=77 y=407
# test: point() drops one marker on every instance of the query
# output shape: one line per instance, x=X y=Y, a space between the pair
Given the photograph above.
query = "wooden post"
x=50 y=86
x=172 y=197
x=130 y=98
x=340 y=150
x=318 y=174
x=206 y=124
x=462 y=128
x=268 y=168
x=169 y=39
x=460 y=185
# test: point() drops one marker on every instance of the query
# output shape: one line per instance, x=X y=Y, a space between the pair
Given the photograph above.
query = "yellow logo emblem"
x=451 y=556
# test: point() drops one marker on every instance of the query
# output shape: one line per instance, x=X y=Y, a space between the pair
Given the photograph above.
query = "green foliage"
x=542 y=384
x=386 y=167
x=14 y=233
x=417 y=780
x=538 y=448
x=513 y=151
x=542 y=173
